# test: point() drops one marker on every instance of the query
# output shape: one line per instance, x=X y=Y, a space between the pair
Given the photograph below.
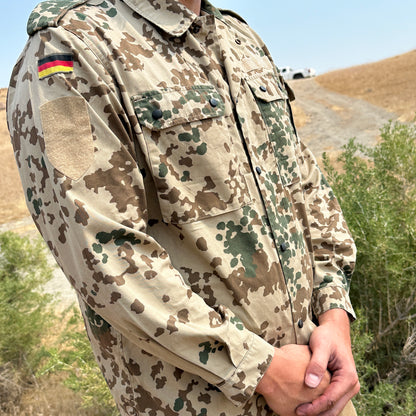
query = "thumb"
x=316 y=368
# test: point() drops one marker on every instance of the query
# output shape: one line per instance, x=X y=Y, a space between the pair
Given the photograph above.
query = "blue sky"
x=322 y=34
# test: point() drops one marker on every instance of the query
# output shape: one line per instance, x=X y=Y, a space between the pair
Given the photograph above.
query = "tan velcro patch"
x=68 y=137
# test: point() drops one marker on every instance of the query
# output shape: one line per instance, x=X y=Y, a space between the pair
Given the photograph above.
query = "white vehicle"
x=290 y=73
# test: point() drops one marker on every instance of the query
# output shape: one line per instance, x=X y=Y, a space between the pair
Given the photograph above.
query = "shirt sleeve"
x=332 y=247
x=74 y=146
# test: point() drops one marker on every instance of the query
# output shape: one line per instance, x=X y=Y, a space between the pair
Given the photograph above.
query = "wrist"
x=338 y=316
x=266 y=384
x=337 y=323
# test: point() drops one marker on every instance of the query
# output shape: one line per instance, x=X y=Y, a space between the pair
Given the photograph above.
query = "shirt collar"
x=209 y=8
x=170 y=15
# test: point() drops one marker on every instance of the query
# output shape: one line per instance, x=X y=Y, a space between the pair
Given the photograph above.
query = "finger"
x=332 y=401
x=317 y=367
x=338 y=407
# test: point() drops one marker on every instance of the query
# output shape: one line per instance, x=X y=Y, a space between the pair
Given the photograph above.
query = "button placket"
x=283 y=247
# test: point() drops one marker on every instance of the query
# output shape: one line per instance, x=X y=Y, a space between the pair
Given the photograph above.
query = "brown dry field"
x=390 y=84
x=12 y=201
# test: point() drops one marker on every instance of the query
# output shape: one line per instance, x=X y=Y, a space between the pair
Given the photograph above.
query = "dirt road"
x=332 y=119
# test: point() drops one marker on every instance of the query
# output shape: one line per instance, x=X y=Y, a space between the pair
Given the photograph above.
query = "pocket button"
x=157 y=114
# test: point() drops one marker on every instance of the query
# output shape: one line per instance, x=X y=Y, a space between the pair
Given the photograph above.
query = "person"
x=161 y=164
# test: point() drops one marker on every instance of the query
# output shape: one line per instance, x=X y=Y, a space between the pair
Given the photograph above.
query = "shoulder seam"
x=233 y=14
x=49 y=13
x=91 y=46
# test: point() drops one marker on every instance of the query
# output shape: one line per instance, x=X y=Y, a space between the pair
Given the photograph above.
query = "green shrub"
x=24 y=314
x=24 y=309
x=376 y=188
x=377 y=192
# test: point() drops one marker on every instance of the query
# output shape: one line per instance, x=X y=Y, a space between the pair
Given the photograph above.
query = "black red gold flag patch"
x=54 y=64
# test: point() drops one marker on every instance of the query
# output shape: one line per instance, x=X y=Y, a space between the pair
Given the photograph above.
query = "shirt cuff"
x=331 y=297
x=240 y=387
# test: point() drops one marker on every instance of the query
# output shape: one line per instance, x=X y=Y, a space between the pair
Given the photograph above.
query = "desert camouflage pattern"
x=167 y=178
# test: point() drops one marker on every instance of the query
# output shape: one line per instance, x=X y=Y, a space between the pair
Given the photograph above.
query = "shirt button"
x=258 y=170
x=300 y=324
x=263 y=88
x=157 y=114
x=213 y=102
x=283 y=247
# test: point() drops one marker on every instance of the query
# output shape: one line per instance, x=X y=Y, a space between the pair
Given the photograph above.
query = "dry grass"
x=12 y=201
x=48 y=397
x=390 y=84
x=40 y=396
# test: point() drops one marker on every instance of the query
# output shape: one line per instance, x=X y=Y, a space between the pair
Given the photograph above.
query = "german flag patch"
x=54 y=64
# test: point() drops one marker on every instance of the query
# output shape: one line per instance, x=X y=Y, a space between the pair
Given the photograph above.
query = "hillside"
x=326 y=120
x=390 y=84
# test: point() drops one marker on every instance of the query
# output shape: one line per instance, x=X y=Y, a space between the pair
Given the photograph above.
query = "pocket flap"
x=267 y=88
x=160 y=109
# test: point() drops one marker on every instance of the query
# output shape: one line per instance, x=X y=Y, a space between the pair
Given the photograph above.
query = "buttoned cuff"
x=240 y=387
x=331 y=297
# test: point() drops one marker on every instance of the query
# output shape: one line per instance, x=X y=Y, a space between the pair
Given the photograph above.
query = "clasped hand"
x=298 y=383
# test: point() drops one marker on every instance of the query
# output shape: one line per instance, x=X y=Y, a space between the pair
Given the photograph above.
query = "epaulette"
x=48 y=13
x=233 y=14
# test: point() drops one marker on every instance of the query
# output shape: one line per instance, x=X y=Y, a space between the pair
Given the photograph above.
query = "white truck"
x=290 y=73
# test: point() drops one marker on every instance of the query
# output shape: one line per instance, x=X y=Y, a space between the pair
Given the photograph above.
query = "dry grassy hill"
x=390 y=84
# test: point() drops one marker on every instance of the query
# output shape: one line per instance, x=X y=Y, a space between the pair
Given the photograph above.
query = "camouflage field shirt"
x=162 y=167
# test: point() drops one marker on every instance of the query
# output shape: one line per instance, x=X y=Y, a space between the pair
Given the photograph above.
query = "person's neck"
x=193 y=5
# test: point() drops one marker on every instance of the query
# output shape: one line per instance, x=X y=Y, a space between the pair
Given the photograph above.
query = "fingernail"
x=312 y=380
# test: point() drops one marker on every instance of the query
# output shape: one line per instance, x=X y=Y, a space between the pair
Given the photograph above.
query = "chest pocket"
x=190 y=152
x=273 y=104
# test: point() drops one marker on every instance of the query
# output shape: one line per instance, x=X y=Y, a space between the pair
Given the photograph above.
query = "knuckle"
x=330 y=404
x=353 y=380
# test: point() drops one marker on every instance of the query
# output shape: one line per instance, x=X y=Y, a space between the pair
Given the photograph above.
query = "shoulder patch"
x=233 y=14
x=48 y=13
